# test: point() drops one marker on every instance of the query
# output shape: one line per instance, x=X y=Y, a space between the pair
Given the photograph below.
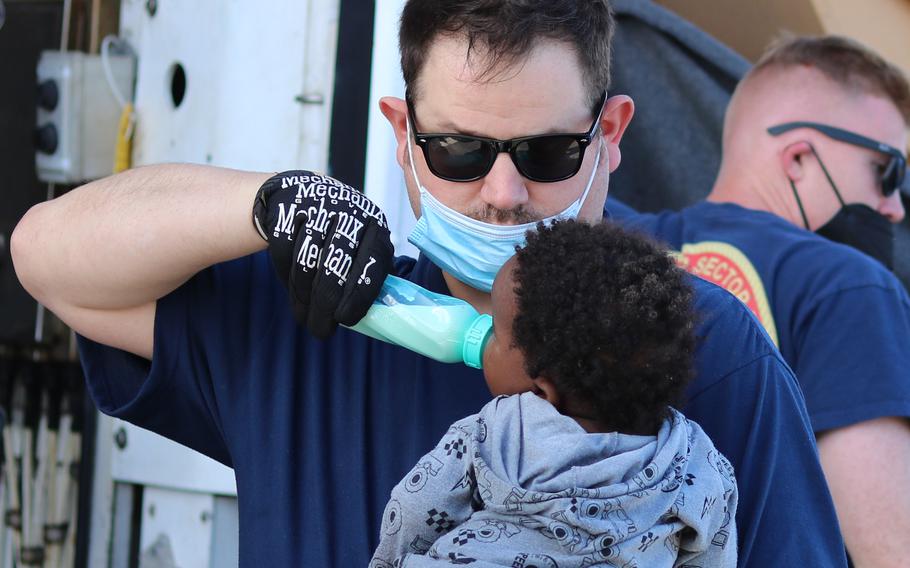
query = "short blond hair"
x=842 y=60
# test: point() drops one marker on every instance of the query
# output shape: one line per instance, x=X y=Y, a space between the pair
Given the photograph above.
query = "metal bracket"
x=310 y=99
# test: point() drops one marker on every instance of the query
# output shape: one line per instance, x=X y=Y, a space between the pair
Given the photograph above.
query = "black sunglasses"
x=544 y=158
x=895 y=170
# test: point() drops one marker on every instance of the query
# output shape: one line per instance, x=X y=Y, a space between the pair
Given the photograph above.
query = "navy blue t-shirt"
x=318 y=432
x=839 y=317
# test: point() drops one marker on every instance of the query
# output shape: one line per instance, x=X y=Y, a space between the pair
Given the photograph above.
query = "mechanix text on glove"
x=329 y=244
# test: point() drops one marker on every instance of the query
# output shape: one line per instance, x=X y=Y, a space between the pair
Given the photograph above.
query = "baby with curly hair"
x=581 y=459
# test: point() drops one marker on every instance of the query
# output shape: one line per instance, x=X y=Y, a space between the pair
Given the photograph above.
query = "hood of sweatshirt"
x=597 y=493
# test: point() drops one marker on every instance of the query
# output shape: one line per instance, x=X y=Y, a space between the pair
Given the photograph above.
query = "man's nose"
x=503 y=187
x=892 y=207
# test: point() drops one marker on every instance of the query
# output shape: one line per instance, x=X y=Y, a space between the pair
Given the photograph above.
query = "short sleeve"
x=851 y=356
x=204 y=331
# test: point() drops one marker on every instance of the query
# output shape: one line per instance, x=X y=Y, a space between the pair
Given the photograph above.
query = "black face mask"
x=862 y=228
x=855 y=225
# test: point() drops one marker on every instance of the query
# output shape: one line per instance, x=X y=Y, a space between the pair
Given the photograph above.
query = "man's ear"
x=395 y=111
x=545 y=389
x=793 y=160
x=617 y=115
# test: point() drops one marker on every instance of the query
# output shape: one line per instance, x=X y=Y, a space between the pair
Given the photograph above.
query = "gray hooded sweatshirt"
x=521 y=485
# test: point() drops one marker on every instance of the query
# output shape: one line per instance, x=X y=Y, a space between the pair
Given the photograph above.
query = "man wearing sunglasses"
x=506 y=123
x=814 y=142
x=864 y=224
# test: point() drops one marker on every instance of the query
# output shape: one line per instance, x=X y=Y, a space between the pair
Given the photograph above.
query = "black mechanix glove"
x=329 y=244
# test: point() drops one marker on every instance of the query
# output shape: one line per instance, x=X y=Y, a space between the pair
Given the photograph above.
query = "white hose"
x=106 y=65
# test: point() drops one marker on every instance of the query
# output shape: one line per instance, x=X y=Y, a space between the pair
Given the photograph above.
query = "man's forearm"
x=129 y=239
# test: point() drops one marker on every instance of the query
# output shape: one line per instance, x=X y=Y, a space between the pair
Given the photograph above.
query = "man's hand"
x=329 y=244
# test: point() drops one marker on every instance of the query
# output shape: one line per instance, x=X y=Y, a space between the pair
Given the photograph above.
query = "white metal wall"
x=255 y=73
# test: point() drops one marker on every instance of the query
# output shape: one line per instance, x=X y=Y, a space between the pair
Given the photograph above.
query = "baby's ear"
x=545 y=389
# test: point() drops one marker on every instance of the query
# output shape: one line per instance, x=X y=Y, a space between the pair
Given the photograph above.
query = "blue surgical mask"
x=471 y=250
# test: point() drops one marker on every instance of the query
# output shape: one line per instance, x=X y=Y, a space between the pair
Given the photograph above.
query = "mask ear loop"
x=799 y=203
x=411 y=155
x=597 y=158
x=828 y=176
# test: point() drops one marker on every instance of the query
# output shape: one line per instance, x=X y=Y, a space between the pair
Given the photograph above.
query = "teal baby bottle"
x=440 y=327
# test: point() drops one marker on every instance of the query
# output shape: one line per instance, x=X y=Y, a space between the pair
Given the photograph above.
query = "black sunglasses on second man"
x=893 y=173
x=542 y=158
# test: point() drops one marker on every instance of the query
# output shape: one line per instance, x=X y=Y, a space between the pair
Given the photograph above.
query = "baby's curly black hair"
x=607 y=316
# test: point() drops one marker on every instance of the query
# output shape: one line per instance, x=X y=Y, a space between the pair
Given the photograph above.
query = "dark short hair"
x=606 y=315
x=506 y=30
x=845 y=61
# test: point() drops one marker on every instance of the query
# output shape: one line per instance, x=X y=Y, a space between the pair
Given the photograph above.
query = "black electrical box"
x=28 y=28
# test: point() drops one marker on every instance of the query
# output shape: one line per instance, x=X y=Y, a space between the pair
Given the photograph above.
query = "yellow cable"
x=124 y=150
